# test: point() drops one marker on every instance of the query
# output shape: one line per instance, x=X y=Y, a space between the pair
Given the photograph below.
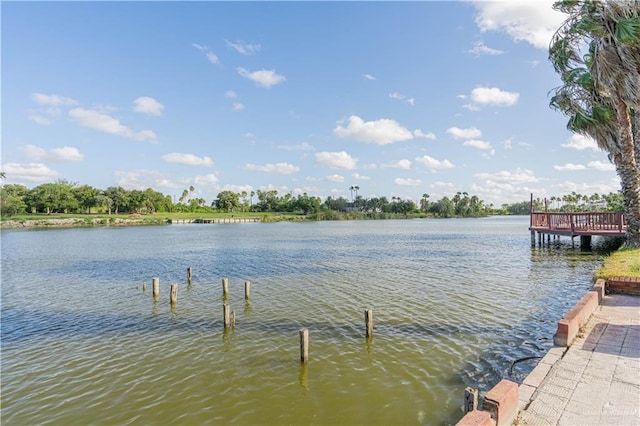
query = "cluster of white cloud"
x=469 y=136
x=479 y=48
x=381 y=132
x=489 y=96
x=263 y=78
x=55 y=155
x=401 y=97
x=532 y=21
x=243 y=48
x=188 y=159
x=336 y=160
x=212 y=57
x=282 y=168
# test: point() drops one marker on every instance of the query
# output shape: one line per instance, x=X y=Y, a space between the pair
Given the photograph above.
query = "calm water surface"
x=455 y=303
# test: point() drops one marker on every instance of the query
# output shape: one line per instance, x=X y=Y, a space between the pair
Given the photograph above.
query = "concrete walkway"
x=594 y=382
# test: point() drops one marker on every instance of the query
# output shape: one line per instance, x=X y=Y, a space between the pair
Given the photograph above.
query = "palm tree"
x=601 y=89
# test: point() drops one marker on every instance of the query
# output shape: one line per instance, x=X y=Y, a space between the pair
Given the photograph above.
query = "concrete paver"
x=594 y=382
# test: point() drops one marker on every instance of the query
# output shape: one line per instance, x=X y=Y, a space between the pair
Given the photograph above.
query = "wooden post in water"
x=144 y=287
x=189 y=275
x=227 y=316
x=173 y=299
x=156 y=287
x=225 y=287
x=304 y=345
x=233 y=319
x=247 y=290
x=368 y=322
x=470 y=400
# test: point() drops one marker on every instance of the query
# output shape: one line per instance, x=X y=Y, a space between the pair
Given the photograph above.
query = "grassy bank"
x=621 y=263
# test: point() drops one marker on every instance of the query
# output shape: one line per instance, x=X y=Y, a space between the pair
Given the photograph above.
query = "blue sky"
x=400 y=99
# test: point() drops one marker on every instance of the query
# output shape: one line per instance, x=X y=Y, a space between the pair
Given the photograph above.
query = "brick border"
x=577 y=317
x=624 y=285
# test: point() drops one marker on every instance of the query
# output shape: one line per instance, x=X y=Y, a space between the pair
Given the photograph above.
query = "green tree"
x=601 y=88
x=86 y=196
x=119 y=198
x=12 y=199
x=227 y=201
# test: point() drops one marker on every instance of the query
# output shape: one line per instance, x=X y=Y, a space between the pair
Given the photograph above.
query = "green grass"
x=622 y=263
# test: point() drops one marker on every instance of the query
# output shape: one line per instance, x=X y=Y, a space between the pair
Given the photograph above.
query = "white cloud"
x=580 y=142
x=107 y=124
x=601 y=166
x=282 y=168
x=401 y=97
x=208 y=179
x=335 y=178
x=433 y=164
x=304 y=146
x=187 y=159
x=459 y=133
x=57 y=155
x=400 y=164
x=517 y=176
x=238 y=106
x=230 y=94
x=418 y=133
x=532 y=21
x=407 y=182
x=494 y=96
x=40 y=120
x=569 y=167
x=243 y=48
x=368 y=76
x=208 y=53
x=147 y=105
x=479 y=48
x=142 y=179
x=31 y=172
x=381 y=132
x=360 y=177
x=336 y=160
x=262 y=78
x=53 y=100
x=478 y=144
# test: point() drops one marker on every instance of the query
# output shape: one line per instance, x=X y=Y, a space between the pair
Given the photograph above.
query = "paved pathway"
x=597 y=380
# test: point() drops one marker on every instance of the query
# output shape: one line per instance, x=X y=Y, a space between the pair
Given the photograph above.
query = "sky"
x=398 y=98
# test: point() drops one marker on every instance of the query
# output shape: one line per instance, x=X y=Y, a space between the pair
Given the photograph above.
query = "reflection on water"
x=455 y=303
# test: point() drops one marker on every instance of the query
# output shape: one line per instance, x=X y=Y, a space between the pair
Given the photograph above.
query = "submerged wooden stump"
x=368 y=321
x=247 y=290
x=225 y=287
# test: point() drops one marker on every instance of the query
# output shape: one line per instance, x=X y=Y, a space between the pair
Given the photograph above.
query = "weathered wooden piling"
x=156 y=287
x=225 y=287
x=173 y=299
x=304 y=345
x=227 y=315
x=368 y=322
x=144 y=287
x=189 y=275
x=247 y=290
x=233 y=319
x=470 y=400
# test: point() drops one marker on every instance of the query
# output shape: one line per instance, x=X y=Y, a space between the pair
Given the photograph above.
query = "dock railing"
x=576 y=223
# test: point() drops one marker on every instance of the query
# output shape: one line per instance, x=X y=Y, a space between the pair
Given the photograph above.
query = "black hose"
x=520 y=360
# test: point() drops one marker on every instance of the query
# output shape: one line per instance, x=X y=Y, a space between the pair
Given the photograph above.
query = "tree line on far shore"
x=63 y=196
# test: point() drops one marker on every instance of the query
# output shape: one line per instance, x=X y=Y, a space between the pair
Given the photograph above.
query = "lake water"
x=455 y=303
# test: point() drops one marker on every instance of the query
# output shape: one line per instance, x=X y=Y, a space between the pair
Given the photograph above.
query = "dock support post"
x=173 y=299
x=470 y=400
x=227 y=315
x=533 y=238
x=225 y=287
x=156 y=287
x=189 y=275
x=247 y=290
x=368 y=321
x=304 y=345
x=585 y=241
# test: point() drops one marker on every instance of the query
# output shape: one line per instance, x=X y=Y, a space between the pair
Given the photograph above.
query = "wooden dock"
x=216 y=220
x=583 y=225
